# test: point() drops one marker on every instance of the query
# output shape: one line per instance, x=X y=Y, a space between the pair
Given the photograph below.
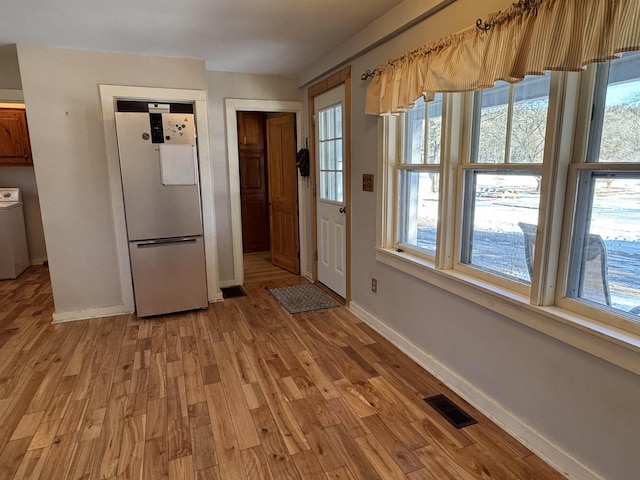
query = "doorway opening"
x=266 y=199
x=268 y=187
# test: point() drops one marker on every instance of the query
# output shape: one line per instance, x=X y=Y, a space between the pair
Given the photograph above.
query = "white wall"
x=588 y=408
x=9 y=70
x=222 y=85
x=67 y=138
x=21 y=177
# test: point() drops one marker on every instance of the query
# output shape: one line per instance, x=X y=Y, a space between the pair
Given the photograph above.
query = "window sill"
x=612 y=344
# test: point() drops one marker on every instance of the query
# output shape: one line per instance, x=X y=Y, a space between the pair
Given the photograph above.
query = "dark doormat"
x=303 y=298
x=232 y=292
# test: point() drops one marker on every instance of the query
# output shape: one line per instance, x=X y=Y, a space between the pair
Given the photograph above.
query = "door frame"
x=109 y=94
x=341 y=77
x=232 y=106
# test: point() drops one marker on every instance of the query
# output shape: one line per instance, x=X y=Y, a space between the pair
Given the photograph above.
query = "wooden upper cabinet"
x=251 y=130
x=15 y=148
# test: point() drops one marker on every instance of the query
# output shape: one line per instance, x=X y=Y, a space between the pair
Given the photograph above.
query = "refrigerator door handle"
x=164 y=241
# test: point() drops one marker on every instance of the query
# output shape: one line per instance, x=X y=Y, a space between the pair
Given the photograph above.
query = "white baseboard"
x=217 y=297
x=37 y=261
x=562 y=461
x=73 y=315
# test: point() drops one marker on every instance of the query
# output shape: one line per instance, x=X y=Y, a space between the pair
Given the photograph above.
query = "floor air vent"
x=450 y=411
x=232 y=292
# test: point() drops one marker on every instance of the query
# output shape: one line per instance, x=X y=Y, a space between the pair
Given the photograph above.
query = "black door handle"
x=343 y=209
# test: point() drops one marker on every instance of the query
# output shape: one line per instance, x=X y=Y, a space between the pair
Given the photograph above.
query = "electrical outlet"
x=374 y=285
x=367 y=182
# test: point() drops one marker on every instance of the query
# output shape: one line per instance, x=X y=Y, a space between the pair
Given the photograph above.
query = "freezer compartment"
x=169 y=275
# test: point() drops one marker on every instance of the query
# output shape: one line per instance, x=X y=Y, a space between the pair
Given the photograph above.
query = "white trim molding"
x=617 y=346
x=109 y=94
x=532 y=439
x=74 y=315
x=232 y=107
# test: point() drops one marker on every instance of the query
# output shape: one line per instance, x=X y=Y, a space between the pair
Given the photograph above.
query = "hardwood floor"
x=240 y=391
x=258 y=268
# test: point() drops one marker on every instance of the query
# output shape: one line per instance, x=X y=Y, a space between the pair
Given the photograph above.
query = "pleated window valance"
x=526 y=39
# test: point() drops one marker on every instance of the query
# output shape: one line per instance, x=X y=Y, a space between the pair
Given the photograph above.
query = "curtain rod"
x=366 y=75
x=372 y=73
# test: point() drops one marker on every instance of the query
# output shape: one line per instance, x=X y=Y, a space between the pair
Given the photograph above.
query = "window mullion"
x=450 y=153
x=472 y=125
x=425 y=137
x=507 y=143
x=388 y=144
x=597 y=113
x=584 y=202
x=559 y=144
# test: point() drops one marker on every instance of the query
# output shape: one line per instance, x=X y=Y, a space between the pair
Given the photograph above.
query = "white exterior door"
x=330 y=201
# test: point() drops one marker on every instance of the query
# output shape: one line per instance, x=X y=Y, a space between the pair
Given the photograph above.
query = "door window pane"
x=338 y=151
x=326 y=156
x=499 y=206
x=331 y=155
x=327 y=124
x=326 y=182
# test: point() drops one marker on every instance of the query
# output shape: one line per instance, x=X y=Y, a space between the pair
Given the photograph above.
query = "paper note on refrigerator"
x=178 y=164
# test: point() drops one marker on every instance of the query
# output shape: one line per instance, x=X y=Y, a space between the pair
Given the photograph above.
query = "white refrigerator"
x=159 y=167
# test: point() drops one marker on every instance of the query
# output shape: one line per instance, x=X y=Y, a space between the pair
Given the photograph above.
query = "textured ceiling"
x=251 y=36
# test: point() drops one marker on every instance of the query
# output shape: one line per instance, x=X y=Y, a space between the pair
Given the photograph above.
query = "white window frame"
x=402 y=166
x=541 y=306
x=391 y=140
x=579 y=165
x=468 y=165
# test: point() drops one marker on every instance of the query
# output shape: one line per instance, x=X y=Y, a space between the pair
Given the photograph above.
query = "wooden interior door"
x=283 y=192
x=254 y=195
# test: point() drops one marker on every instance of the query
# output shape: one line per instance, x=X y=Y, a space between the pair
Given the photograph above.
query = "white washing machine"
x=14 y=254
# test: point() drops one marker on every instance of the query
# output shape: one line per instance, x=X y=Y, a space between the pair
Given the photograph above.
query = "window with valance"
x=515 y=159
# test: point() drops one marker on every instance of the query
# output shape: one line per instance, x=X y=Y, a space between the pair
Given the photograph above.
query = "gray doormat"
x=303 y=298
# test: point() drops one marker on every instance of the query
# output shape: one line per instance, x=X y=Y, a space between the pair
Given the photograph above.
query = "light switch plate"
x=367 y=182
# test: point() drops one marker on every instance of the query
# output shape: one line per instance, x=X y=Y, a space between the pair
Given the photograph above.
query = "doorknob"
x=343 y=210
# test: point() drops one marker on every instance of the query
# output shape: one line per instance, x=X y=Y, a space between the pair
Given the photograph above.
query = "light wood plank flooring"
x=258 y=268
x=240 y=391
